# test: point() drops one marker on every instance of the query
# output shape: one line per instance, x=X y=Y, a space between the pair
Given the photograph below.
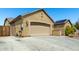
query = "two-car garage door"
x=39 y=29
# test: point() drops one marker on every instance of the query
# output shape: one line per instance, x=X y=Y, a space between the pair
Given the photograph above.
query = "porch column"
x=51 y=30
x=29 y=27
x=60 y=33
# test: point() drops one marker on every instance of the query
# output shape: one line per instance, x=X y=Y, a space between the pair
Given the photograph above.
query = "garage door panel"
x=39 y=30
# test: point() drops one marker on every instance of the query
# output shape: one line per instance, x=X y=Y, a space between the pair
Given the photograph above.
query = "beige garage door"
x=39 y=29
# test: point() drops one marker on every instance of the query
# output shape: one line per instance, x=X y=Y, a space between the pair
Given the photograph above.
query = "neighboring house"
x=37 y=23
x=7 y=24
x=7 y=21
x=60 y=27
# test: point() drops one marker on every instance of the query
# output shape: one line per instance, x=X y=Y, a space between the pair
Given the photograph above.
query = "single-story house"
x=37 y=23
x=59 y=27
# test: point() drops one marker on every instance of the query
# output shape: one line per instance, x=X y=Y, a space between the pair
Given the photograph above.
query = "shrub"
x=69 y=30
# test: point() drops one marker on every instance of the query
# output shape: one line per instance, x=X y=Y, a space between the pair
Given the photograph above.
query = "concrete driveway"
x=41 y=43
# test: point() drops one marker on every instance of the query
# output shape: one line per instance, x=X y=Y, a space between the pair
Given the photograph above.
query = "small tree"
x=69 y=30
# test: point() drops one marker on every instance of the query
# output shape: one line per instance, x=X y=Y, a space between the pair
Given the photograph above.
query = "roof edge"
x=38 y=11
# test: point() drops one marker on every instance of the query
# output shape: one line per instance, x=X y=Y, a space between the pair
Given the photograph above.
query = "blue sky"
x=54 y=13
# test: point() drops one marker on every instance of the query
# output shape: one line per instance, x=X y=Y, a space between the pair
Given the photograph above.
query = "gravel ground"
x=41 y=43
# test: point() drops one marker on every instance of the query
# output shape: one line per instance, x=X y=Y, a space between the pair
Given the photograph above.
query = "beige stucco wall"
x=26 y=24
x=67 y=24
x=60 y=28
x=39 y=17
x=36 y=17
x=16 y=27
x=56 y=32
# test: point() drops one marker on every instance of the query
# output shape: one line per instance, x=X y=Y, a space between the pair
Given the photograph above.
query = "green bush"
x=69 y=30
